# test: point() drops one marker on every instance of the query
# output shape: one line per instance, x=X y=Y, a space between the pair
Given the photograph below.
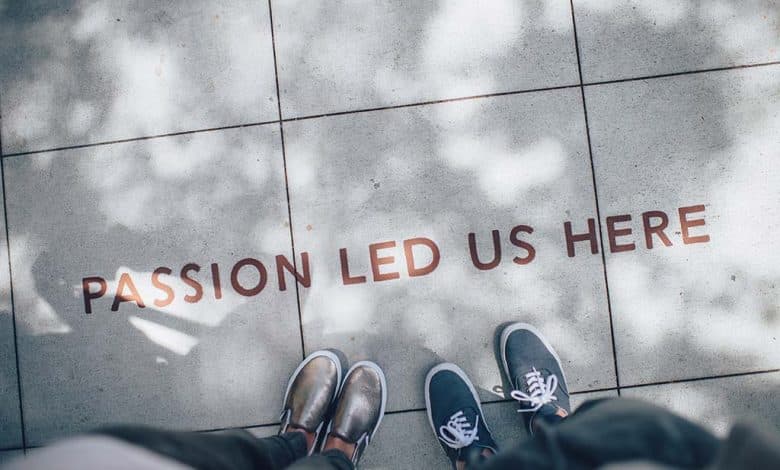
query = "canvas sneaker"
x=535 y=373
x=455 y=414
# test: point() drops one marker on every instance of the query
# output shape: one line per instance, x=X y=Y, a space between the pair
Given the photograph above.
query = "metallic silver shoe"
x=361 y=406
x=311 y=391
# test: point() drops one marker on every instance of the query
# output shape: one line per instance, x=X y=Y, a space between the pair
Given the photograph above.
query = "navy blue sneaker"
x=535 y=373
x=455 y=414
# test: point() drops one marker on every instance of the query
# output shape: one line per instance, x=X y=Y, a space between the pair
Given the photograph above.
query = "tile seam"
x=389 y=107
x=286 y=182
x=138 y=139
x=11 y=292
x=701 y=378
x=596 y=199
x=683 y=73
x=505 y=400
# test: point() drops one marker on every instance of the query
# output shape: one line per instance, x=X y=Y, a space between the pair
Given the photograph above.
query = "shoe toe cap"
x=312 y=392
x=360 y=404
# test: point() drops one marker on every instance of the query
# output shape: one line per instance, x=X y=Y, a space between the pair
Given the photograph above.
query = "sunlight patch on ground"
x=172 y=340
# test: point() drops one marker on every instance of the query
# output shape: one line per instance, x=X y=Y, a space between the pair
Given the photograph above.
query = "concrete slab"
x=79 y=72
x=338 y=56
x=706 y=142
x=439 y=172
x=405 y=440
x=200 y=352
x=10 y=420
x=650 y=37
x=719 y=403
x=8 y=455
x=264 y=431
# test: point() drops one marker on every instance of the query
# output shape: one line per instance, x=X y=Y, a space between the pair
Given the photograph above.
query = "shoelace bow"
x=540 y=392
x=458 y=432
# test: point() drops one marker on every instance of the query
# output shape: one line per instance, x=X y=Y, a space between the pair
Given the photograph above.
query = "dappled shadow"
x=334 y=57
x=101 y=71
x=126 y=212
x=435 y=168
x=439 y=171
x=667 y=36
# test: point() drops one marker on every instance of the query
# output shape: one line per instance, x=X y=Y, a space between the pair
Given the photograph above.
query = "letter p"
x=88 y=295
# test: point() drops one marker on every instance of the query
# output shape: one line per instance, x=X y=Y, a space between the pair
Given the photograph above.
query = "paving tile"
x=621 y=39
x=337 y=56
x=78 y=72
x=263 y=431
x=706 y=307
x=719 y=403
x=580 y=398
x=440 y=172
x=405 y=440
x=8 y=455
x=119 y=212
x=10 y=421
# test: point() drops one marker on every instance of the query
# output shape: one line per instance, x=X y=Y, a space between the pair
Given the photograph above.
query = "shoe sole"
x=459 y=372
x=383 y=382
x=309 y=358
x=508 y=330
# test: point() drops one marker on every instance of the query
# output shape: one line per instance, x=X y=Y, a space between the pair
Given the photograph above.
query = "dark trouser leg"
x=230 y=450
x=609 y=431
x=328 y=460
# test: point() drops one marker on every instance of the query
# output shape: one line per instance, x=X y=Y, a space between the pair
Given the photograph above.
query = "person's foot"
x=456 y=417
x=360 y=408
x=310 y=393
x=535 y=373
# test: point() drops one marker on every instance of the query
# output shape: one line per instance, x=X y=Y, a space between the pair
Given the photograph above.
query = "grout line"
x=136 y=139
x=276 y=423
x=687 y=72
x=13 y=308
x=11 y=293
x=426 y=103
x=596 y=197
x=399 y=106
x=11 y=449
x=286 y=181
x=698 y=379
x=505 y=400
x=617 y=389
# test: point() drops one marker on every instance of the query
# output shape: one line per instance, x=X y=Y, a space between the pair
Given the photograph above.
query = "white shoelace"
x=540 y=392
x=456 y=433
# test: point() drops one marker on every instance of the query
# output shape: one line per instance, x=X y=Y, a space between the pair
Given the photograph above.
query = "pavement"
x=197 y=194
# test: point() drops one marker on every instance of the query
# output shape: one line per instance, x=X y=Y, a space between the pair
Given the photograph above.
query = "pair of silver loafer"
x=355 y=405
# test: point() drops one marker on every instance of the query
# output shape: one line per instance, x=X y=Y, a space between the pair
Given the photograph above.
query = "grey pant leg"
x=328 y=460
x=235 y=449
x=609 y=431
